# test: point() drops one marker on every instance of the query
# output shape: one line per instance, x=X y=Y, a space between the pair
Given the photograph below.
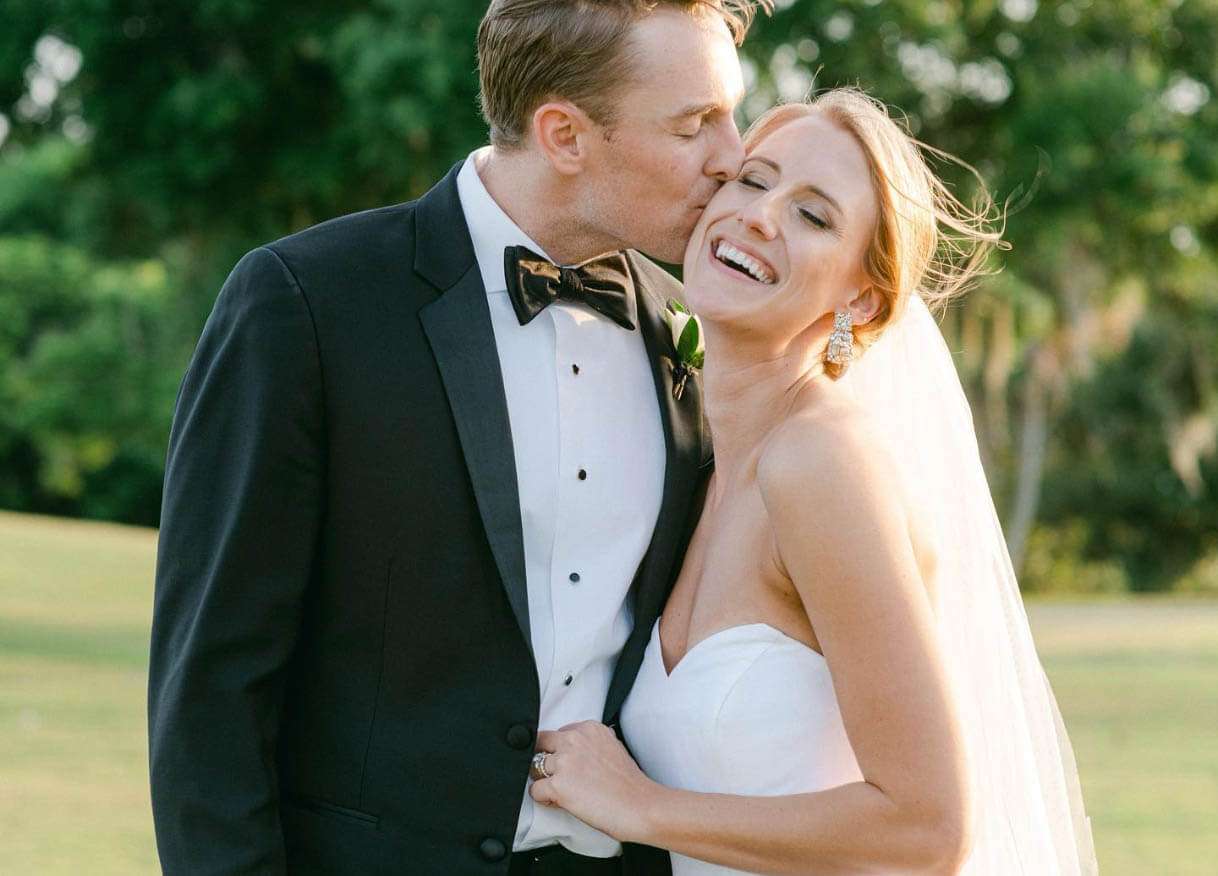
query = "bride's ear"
x=560 y=130
x=865 y=305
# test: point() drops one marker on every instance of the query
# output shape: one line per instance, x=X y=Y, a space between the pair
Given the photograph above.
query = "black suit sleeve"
x=239 y=525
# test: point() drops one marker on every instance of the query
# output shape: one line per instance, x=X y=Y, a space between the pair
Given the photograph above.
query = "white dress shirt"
x=589 y=450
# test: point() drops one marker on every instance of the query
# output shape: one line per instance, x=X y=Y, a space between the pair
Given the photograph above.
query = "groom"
x=409 y=517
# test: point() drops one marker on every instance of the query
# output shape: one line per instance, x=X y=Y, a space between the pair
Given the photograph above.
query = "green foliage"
x=1088 y=359
x=85 y=391
x=191 y=132
x=1147 y=495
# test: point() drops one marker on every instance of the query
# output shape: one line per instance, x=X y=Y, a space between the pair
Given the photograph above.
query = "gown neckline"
x=669 y=673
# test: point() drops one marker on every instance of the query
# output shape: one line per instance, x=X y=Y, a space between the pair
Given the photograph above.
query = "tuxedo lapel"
x=686 y=448
x=458 y=327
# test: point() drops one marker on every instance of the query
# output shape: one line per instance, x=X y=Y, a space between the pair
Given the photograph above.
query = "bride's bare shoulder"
x=822 y=459
x=829 y=484
x=839 y=434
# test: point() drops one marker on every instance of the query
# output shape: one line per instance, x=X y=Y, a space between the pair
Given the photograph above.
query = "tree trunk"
x=1032 y=442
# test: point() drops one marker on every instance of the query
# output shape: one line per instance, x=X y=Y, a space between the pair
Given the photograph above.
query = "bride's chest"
x=730 y=573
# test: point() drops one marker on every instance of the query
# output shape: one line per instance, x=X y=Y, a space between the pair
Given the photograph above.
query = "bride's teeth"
x=727 y=252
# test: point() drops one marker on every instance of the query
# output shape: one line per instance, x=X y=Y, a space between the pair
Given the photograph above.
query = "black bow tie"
x=602 y=283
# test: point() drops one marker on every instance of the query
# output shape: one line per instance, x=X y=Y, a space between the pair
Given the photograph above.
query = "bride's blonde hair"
x=926 y=241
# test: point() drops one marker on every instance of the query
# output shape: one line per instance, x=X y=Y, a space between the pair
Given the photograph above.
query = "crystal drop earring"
x=841 y=341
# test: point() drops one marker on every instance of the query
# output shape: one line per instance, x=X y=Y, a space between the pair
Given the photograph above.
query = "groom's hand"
x=592 y=776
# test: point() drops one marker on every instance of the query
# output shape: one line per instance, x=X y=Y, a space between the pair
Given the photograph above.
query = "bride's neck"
x=751 y=388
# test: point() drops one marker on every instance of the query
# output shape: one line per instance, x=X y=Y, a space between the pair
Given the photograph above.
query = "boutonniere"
x=686 y=331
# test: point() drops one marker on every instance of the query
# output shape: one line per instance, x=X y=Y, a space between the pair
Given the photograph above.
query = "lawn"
x=1137 y=681
x=75 y=602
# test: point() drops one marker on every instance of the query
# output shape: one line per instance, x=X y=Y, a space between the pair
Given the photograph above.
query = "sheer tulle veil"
x=1028 y=816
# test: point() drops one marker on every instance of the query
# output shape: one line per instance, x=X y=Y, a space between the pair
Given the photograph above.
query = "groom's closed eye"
x=691 y=127
x=691 y=119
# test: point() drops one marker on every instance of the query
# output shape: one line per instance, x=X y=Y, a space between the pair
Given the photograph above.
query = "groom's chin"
x=667 y=260
x=670 y=252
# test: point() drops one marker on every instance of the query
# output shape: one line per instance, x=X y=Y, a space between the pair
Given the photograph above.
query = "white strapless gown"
x=748 y=710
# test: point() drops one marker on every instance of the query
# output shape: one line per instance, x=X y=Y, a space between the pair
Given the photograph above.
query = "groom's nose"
x=726 y=151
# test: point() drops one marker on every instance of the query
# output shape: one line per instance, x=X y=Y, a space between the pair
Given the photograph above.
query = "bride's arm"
x=841 y=536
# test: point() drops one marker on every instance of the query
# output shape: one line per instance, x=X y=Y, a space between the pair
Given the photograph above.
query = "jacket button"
x=519 y=736
x=492 y=849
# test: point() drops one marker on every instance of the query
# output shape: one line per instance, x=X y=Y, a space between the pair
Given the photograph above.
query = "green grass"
x=1137 y=683
x=1136 y=680
x=75 y=602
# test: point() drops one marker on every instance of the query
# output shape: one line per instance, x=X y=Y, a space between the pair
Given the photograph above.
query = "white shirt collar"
x=490 y=228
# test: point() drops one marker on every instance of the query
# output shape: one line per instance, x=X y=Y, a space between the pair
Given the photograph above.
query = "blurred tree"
x=85 y=378
x=234 y=119
x=152 y=133
x=1102 y=113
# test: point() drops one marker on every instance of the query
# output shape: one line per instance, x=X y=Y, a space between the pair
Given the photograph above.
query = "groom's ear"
x=561 y=130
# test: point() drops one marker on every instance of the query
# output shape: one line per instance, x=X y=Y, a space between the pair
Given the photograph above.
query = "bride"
x=842 y=680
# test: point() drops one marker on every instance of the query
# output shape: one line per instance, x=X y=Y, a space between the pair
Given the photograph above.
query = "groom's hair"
x=530 y=51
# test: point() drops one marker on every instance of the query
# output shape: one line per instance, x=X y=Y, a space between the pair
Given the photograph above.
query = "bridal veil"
x=1028 y=809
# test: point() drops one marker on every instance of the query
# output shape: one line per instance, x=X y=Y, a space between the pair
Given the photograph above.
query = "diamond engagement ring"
x=539 y=765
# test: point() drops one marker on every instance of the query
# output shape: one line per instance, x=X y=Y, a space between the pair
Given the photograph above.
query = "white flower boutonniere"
x=686 y=331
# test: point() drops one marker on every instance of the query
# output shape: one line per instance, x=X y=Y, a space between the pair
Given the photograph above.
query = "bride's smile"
x=783 y=244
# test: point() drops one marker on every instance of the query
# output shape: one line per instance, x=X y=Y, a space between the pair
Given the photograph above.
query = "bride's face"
x=782 y=246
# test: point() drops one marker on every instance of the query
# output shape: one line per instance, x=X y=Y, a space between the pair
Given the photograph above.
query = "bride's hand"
x=593 y=778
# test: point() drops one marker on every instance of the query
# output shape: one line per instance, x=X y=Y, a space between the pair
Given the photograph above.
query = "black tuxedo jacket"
x=341 y=679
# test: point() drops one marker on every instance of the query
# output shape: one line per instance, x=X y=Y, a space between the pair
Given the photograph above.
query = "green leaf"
x=687 y=347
